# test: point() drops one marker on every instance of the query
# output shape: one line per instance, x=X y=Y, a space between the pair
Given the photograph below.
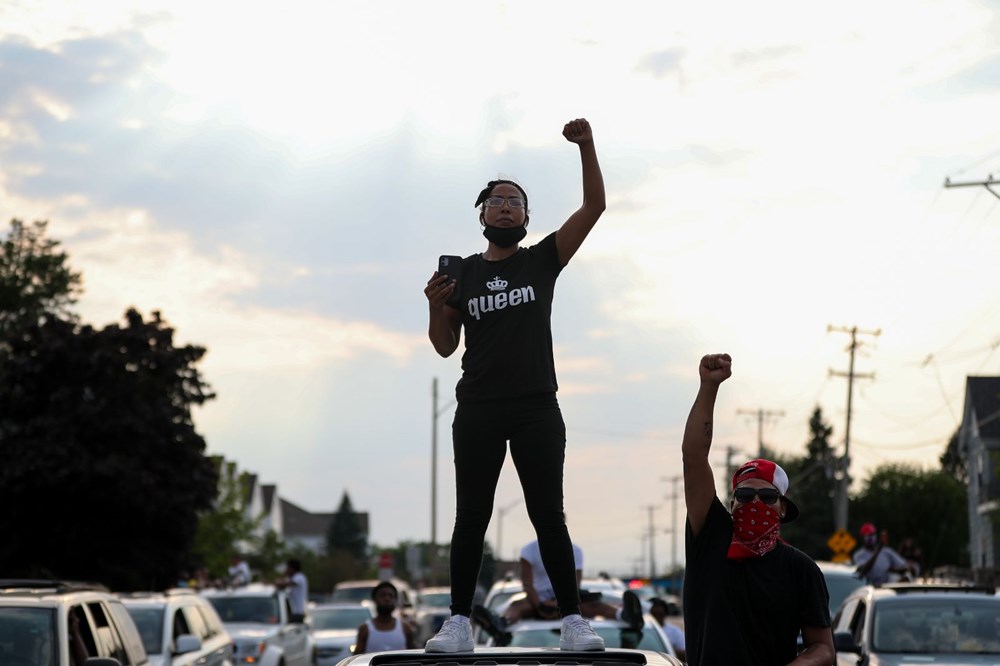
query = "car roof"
x=836 y=568
x=513 y=656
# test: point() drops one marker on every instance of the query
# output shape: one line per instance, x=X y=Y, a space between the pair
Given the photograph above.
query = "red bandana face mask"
x=755 y=530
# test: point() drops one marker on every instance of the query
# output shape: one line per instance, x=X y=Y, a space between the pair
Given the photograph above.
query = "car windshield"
x=27 y=636
x=839 y=587
x=339 y=618
x=953 y=625
x=149 y=621
x=613 y=638
x=436 y=599
x=263 y=610
x=353 y=594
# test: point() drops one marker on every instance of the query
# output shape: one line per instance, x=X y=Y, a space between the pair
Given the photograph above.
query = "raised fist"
x=578 y=131
x=715 y=368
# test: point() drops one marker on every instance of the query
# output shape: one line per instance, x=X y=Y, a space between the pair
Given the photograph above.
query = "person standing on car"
x=298 y=589
x=508 y=388
x=875 y=560
x=385 y=631
x=747 y=594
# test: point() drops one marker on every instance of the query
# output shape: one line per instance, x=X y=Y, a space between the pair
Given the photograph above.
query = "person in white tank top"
x=384 y=631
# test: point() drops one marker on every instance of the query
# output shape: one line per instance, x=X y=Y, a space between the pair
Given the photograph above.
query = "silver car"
x=616 y=634
x=179 y=628
x=334 y=630
x=918 y=623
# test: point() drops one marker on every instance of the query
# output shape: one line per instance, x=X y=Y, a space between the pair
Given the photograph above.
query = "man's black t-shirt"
x=747 y=612
x=506 y=309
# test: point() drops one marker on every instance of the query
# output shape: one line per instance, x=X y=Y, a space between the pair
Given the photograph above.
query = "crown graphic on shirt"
x=496 y=284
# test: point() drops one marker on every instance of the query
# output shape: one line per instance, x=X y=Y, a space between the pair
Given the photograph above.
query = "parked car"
x=334 y=630
x=258 y=618
x=37 y=619
x=616 y=634
x=433 y=608
x=512 y=655
x=908 y=623
x=356 y=591
x=178 y=628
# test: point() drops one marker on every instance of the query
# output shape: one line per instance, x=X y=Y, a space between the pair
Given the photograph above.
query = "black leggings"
x=534 y=426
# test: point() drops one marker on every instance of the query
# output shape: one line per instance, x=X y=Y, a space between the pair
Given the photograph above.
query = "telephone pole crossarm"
x=977 y=183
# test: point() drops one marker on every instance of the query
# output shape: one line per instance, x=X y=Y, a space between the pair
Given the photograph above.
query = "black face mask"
x=505 y=236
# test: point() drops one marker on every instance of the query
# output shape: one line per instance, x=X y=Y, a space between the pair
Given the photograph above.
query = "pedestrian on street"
x=298 y=589
x=875 y=560
x=747 y=594
x=385 y=631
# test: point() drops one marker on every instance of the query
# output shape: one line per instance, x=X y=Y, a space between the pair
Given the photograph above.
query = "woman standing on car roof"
x=508 y=388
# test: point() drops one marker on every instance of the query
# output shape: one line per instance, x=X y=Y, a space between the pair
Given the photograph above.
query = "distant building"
x=979 y=444
x=308 y=529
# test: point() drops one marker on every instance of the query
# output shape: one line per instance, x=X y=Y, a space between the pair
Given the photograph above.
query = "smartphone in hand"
x=450 y=265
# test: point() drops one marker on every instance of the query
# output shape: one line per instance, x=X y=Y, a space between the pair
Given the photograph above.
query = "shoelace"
x=578 y=624
x=451 y=627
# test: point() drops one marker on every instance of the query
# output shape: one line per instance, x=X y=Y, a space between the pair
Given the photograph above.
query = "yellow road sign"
x=841 y=543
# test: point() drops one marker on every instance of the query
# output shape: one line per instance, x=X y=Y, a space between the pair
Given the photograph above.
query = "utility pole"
x=652 y=562
x=761 y=414
x=990 y=180
x=673 y=497
x=840 y=508
x=729 y=469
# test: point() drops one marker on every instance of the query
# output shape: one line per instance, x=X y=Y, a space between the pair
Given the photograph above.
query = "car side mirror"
x=843 y=641
x=187 y=643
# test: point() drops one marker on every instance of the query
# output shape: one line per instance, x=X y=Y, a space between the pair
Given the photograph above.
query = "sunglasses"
x=766 y=495
x=513 y=202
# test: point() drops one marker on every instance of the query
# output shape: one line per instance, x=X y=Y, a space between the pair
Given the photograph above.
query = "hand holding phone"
x=450 y=267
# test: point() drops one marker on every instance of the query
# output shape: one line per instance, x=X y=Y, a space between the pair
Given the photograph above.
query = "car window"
x=839 y=587
x=945 y=625
x=844 y=615
x=352 y=594
x=28 y=636
x=179 y=625
x=86 y=632
x=339 y=618
x=149 y=621
x=262 y=610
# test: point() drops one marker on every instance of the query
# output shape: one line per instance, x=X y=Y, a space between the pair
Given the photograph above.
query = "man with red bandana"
x=747 y=594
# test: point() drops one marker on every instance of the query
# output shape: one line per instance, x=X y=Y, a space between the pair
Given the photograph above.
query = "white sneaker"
x=577 y=634
x=455 y=636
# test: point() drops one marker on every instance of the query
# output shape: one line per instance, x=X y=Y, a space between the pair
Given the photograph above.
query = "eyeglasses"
x=513 y=202
x=766 y=495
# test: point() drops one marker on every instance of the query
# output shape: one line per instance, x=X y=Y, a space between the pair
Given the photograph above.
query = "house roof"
x=267 y=492
x=983 y=393
x=296 y=521
x=249 y=481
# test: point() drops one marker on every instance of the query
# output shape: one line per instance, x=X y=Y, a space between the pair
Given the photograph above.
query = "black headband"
x=493 y=183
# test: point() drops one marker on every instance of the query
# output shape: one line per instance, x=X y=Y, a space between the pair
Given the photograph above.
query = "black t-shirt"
x=506 y=309
x=747 y=612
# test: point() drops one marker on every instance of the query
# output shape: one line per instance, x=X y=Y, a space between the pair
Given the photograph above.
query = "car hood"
x=933 y=659
x=251 y=630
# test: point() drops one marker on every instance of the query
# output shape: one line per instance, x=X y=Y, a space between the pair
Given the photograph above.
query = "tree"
x=345 y=531
x=952 y=462
x=103 y=471
x=928 y=506
x=35 y=279
x=811 y=486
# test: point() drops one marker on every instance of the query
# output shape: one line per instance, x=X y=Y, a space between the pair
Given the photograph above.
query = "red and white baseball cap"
x=769 y=471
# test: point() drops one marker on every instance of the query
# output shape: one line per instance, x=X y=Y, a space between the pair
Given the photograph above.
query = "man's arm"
x=361 y=644
x=818 y=642
x=699 y=481
x=411 y=641
x=574 y=230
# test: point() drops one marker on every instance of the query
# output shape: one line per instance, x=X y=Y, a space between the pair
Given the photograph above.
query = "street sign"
x=842 y=544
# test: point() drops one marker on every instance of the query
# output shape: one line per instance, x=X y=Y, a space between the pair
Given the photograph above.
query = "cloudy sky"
x=279 y=182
